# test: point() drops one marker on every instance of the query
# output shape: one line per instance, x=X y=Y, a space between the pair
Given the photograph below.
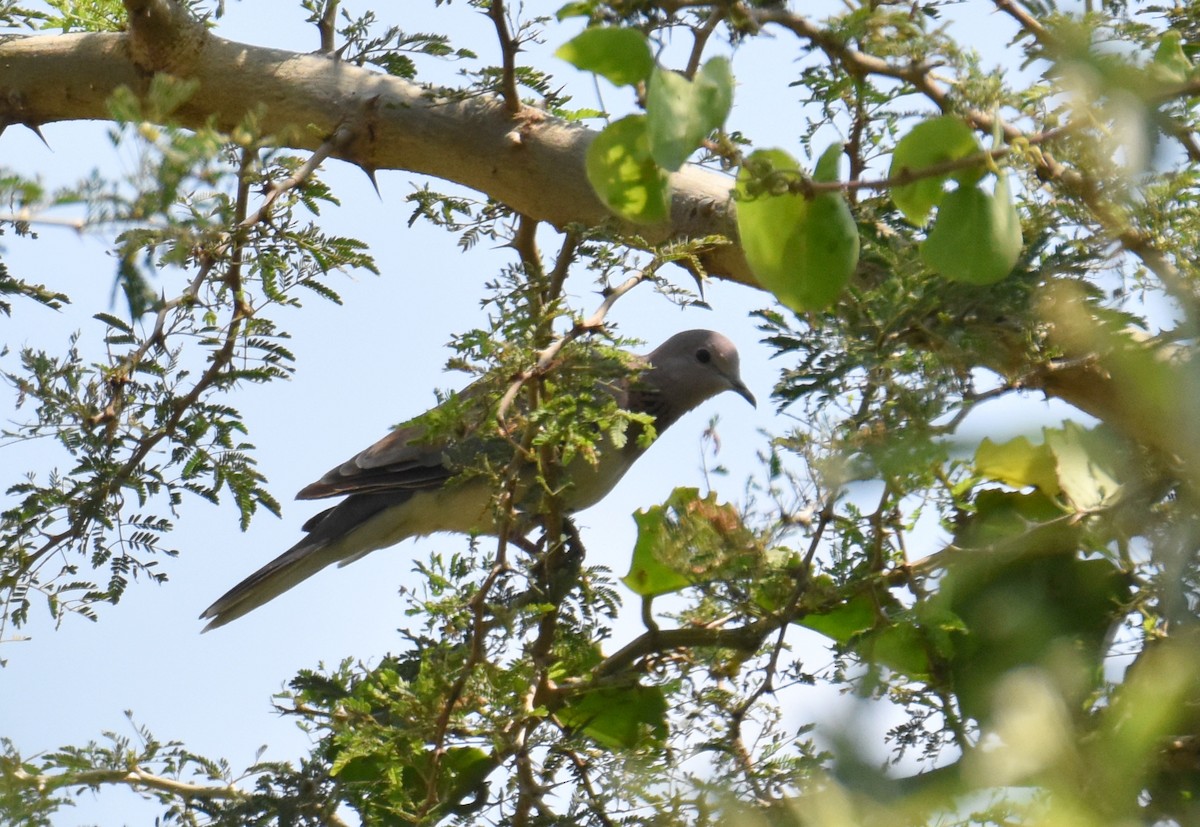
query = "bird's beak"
x=744 y=392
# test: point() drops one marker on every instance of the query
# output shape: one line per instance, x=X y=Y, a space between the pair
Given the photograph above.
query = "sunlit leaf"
x=680 y=113
x=620 y=169
x=1087 y=464
x=1018 y=463
x=976 y=237
x=622 y=56
x=929 y=143
x=688 y=539
x=802 y=250
x=1170 y=64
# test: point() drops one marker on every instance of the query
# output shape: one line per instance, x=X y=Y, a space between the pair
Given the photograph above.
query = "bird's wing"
x=414 y=456
x=402 y=460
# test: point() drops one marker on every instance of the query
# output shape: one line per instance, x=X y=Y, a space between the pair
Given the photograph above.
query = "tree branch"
x=530 y=161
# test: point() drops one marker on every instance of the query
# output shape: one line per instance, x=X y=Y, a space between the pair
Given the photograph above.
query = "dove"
x=410 y=485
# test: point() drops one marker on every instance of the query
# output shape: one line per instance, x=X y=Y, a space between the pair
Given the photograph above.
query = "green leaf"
x=1018 y=463
x=1170 y=64
x=1024 y=608
x=802 y=250
x=977 y=235
x=1087 y=463
x=690 y=539
x=846 y=620
x=621 y=56
x=681 y=113
x=113 y=321
x=932 y=142
x=620 y=169
x=619 y=717
x=648 y=574
x=1006 y=519
x=901 y=647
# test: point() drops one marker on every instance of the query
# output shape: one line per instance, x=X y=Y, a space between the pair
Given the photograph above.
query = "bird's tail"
x=332 y=538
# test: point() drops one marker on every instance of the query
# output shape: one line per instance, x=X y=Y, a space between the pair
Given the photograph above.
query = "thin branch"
x=1024 y=19
x=508 y=53
x=547 y=357
x=742 y=638
x=581 y=772
x=326 y=27
x=700 y=38
x=136 y=778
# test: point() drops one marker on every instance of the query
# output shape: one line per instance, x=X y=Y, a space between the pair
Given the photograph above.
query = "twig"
x=700 y=38
x=27 y=216
x=745 y=638
x=326 y=27
x=508 y=54
x=546 y=357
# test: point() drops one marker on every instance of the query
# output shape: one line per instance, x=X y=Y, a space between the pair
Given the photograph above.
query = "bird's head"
x=694 y=366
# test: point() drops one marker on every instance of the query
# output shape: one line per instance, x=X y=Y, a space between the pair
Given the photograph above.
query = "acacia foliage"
x=995 y=232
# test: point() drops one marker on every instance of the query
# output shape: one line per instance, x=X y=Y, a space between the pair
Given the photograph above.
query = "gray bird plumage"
x=398 y=488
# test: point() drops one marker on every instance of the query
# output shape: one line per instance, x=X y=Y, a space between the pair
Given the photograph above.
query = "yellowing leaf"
x=1087 y=462
x=1018 y=463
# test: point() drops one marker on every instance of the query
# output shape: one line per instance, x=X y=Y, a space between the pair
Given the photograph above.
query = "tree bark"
x=532 y=162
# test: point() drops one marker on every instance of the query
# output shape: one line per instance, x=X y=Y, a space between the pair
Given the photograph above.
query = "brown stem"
x=508 y=54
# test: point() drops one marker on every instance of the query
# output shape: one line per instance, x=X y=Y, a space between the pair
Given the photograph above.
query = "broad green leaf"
x=804 y=251
x=619 y=717
x=688 y=539
x=620 y=169
x=1018 y=463
x=621 y=56
x=1024 y=607
x=681 y=113
x=845 y=621
x=900 y=647
x=1087 y=464
x=879 y=629
x=648 y=574
x=929 y=143
x=1030 y=521
x=1170 y=64
x=976 y=237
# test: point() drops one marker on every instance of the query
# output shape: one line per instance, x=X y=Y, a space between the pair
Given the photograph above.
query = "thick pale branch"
x=530 y=161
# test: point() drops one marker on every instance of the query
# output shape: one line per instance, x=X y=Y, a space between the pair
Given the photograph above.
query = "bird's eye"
x=703 y=356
